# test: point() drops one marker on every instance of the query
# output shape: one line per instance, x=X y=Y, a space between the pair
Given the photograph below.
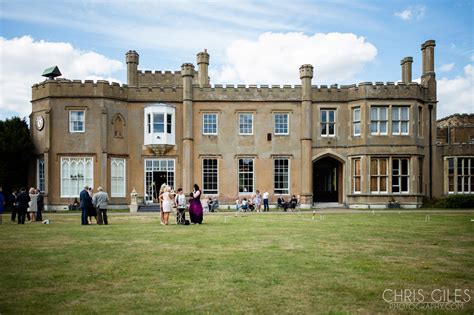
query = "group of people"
x=254 y=203
x=169 y=199
x=24 y=205
x=93 y=205
x=287 y=206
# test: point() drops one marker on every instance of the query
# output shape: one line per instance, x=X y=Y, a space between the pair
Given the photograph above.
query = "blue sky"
x=250 y=42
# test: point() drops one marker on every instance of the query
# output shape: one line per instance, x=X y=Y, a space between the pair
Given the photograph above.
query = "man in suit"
x=14 y=204
x=23 y=199
x=84 y=202
x=100 y=201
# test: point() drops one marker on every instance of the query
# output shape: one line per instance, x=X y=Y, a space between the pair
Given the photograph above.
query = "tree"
x=16 y=152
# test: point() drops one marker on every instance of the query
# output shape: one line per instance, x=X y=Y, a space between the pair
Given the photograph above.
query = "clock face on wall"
x=39 y=122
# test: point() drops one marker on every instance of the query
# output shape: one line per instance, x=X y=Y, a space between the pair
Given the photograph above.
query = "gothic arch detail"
x=118 y=122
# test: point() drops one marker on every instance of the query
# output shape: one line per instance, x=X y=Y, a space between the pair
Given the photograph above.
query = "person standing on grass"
x=2 y=204
x=23 y=200
x=100 y=201
x=160 y=199
x=257 y=201
x=14 y=204
x=180 y=202
x=167 y=203
x=265 y=201
x=91 y=210
x=84 y=202
x=33 y=205
x=40 y=205
x=195 y=207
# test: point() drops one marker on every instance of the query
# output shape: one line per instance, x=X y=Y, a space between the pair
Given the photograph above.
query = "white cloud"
x=274 y=58
x=411 y=12
x=447 y=67
x=404 y=15
x=456 y=95
x=23 y=60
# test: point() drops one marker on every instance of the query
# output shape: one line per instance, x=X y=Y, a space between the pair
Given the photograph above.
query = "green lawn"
x=255 y=263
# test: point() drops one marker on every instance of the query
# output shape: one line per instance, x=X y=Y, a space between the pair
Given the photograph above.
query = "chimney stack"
x=427 y=53
x=406 y=69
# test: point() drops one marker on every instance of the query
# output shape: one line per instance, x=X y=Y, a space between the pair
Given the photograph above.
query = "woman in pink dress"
x=167 y=199
x=195 y=207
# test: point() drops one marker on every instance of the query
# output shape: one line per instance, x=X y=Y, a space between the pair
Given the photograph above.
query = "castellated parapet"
x=218 y=92
x=104 y=89
x=149 y=78
x=167 y=85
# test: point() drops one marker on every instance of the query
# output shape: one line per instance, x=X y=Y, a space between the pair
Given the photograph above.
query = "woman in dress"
x=33 y=204
x=257 y=201
x=195 y=207
x=167 y=203
x=91 y=210
x=160 y=198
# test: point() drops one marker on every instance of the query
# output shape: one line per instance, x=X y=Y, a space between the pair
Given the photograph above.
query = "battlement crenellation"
x=241 y=92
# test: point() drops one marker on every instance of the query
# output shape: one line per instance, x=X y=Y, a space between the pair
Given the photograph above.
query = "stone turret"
x=203 y=65
x=406 y=69
x=132 y=57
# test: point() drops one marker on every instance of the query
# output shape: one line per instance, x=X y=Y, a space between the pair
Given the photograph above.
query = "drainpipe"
x=430 y=107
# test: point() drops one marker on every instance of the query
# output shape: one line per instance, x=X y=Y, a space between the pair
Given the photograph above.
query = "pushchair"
x=180 y=215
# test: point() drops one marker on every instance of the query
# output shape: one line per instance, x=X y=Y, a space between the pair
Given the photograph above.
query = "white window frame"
x=157 y=165
x=244 y=126
x=379 y=176
x=420 y=121
x=355 y=176
x=252 y=178
x=453 y=175
x=400 y=176
x=464 y=177
x=399 y=121
x=279 y=127
x=72 y=121
x=115 y=178
x=327 y=123
x=209 y=170
x=40 y=175
x=355 y=121
x=75 y=177
x=378 y=120
x=213 y=125
x=168 y=113
x=282 y=190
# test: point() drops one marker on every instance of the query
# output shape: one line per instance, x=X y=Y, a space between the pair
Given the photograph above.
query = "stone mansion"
x=357 y=145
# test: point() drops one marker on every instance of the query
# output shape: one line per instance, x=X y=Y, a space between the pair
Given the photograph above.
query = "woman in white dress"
x=167 y=203
x=33 y=204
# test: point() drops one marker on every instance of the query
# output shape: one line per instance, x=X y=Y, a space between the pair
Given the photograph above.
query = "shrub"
x=455 y=201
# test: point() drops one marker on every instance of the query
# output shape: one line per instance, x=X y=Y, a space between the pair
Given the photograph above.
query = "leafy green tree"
x=16 y=152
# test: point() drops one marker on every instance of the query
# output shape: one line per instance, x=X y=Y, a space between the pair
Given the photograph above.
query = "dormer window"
x=160 y=124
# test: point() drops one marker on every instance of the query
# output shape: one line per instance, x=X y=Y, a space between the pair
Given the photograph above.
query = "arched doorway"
x=327 y=180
